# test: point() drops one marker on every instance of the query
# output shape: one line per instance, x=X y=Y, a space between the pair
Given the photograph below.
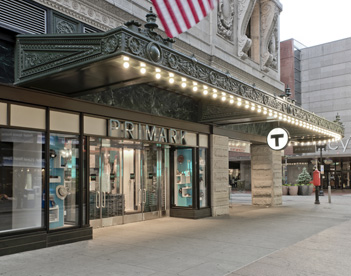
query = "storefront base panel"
x=190 y=213
x=26 y=242
x=74 y=235
x=20 y=243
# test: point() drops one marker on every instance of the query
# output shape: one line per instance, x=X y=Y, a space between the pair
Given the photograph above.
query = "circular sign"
x=278 y=138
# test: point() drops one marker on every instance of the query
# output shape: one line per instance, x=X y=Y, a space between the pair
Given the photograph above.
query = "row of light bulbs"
x=298 y=163
x=294 y=143
x=225 y=97
x=232 y=144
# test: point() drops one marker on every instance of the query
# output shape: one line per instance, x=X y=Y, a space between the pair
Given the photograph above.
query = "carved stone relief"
x=225 y=18
x=245 y=9
x=64 y=27
x=95 y=13
x=269 y=35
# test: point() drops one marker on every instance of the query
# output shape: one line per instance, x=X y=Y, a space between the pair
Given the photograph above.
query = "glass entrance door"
x=105 y=180
x=143 y=182
x=153 y=181
x=127 y=181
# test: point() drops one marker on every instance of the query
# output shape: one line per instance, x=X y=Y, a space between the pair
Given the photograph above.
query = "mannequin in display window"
x=105 y=179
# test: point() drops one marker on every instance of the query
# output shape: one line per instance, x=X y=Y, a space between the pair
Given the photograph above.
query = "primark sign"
x=146 y=132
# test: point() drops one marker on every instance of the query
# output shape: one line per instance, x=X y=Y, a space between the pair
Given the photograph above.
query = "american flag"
x=177 y=16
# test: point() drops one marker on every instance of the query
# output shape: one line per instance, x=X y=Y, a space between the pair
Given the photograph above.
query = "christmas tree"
x=304 y=178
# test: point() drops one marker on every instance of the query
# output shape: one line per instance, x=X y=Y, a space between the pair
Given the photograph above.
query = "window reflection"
x=22 y=179
x=202 y=178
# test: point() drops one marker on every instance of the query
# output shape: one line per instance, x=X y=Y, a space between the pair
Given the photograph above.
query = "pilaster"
x=266 y=176
x=219 y=175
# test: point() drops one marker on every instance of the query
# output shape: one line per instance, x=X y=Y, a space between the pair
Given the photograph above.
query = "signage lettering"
x=163 y=136
x=182 y=139
x=345 y=146
x=150 y=136
x=276 y=137
x=129 y=130
x=332 y=146
x=304 y=149
x=172 y=134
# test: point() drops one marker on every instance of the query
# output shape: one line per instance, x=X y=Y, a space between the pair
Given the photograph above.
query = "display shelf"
x=182 y=179
x=185 y=191
x=54 y=215
x=55 y=179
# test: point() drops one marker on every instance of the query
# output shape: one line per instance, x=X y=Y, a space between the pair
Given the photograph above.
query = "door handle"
x=140 y=195
x=97 y=198
x=104 y=200
x=144 y=199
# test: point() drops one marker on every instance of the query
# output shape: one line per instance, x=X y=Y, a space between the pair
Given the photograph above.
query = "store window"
x=202 y=178
x=64 y=181
x=183 y=182
x=22 y=179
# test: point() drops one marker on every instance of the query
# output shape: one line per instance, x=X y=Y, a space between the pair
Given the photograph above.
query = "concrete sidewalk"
x=298 y=238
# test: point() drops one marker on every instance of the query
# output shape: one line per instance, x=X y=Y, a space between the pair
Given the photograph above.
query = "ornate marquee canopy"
x=76 y=64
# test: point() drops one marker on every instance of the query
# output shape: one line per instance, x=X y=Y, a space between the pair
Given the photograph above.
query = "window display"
x=63 y=183
x=22 y=179
x=202 y=178
x=183 y=182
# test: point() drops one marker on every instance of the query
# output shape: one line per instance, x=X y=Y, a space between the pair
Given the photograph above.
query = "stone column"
x=266 y=176
x=219 y=175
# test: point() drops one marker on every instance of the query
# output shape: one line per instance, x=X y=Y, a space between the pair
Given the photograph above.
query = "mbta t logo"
x=278 y=138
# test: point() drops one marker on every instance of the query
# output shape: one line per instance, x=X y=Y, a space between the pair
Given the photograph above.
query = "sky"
x=314 y=22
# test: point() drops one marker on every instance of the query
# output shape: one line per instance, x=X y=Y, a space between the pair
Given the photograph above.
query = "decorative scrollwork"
x=134 y=45
x=213 y=78
x=64 y=27
x=35 y=59
x=109 y=44
x=172 y=60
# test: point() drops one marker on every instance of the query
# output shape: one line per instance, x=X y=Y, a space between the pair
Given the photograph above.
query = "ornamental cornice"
x=41 y=56
x=88 y=12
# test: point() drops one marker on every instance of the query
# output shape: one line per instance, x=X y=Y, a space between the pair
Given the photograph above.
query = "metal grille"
x=88 y=30
x=23 y=16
